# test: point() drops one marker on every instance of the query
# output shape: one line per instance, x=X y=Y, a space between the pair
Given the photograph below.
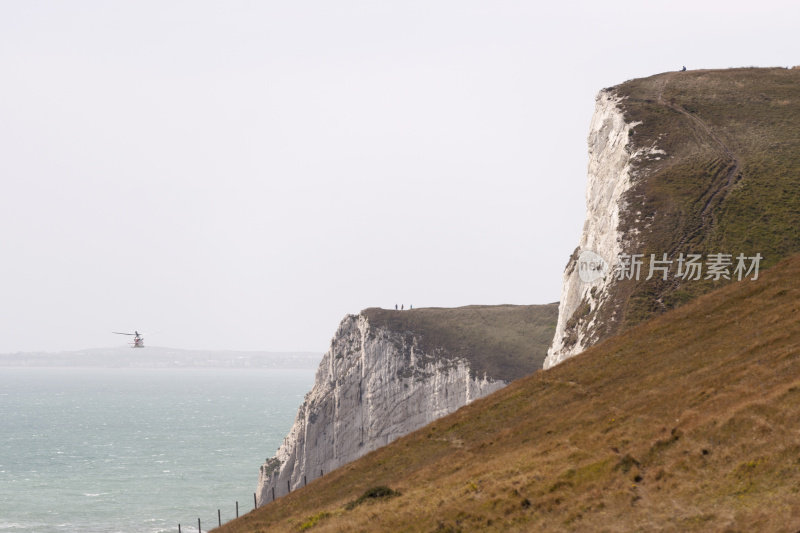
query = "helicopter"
x=138 y=339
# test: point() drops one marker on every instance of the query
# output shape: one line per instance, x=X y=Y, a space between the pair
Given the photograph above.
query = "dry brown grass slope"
x=687 y=422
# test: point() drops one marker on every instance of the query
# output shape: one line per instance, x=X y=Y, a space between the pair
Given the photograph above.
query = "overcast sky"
x=241 y=175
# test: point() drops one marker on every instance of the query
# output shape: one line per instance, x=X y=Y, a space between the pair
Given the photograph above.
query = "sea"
x=103 y=450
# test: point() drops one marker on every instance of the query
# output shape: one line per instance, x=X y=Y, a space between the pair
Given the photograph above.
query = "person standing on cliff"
x=395 y=307
x=401 y=306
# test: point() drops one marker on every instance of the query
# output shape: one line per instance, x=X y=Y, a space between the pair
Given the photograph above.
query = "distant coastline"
x=161 y=357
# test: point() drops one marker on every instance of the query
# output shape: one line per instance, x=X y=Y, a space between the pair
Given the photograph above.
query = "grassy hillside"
x=728 y=183
x=502 y=341
x=688 y=422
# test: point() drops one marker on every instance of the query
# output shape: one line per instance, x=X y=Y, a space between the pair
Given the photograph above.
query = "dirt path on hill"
x=720 y=186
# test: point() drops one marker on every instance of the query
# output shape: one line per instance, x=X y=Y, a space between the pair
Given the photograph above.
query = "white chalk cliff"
x=610 y=176
x=373 y=386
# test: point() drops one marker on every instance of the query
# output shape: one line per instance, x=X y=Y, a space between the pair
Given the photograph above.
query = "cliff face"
x=387 y=374
x=682 y=163
x=609 y=178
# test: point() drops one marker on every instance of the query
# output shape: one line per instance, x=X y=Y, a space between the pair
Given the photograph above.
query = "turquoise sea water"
x=129 y=450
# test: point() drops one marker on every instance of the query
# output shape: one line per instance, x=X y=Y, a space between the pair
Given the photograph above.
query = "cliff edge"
x=684 y=167
x=388 y=373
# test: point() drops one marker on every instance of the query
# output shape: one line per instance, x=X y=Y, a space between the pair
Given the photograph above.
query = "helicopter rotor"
x=138 y=338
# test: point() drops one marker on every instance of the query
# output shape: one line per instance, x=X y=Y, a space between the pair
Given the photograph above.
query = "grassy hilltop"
x=730 y=179
x=688 y=422
x=502 y=341
x=716 y=170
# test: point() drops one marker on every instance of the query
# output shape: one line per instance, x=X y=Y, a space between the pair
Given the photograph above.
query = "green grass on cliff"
x=730 y=179
x=502 y=341
x=687 y=422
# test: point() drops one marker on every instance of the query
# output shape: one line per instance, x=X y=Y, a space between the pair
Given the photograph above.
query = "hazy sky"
x=241 y=175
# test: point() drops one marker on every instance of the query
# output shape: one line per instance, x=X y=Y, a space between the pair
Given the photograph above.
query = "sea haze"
x=127 y=449
x=160 y=357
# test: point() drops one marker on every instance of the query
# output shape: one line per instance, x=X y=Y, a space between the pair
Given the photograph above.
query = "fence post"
x=273 y=493
x=304 y=480
x=179 y=528
x=288 y=486
x=237 y=510
x=219 y=518
x=198 y=526
x=255 y=503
